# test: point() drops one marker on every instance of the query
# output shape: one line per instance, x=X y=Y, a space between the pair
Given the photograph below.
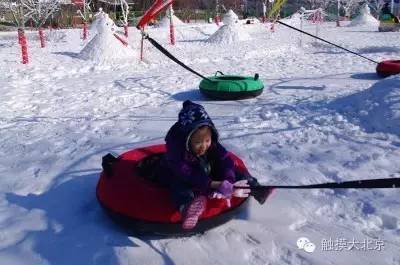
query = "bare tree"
x=17 y=11
x=375 y=5
x=351 y=6
x=125 y=11
x=40 y=10
x=86 y=9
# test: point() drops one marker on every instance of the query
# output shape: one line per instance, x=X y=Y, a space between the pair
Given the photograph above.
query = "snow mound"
x=164 y=22
x=293 y=20
x=105 y=48
x=229 y=34
x=376 y=109
x=230 y=18
x=364 y=18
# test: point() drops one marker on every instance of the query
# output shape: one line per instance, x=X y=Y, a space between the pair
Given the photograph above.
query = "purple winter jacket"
x=180 y=165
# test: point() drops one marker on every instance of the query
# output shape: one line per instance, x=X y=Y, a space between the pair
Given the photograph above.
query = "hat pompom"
x=187 y=103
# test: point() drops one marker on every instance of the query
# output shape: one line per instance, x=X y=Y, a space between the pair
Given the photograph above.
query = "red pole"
x=120 y=39
x=217 y=20
x=126 y=30
x=171 y=26
x=20 y=33
x=85 y=30
x=41 y=37
x=172 y=33
x=24 y=47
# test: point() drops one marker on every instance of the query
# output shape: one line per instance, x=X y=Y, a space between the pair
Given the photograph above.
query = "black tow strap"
x=356 y=184
x=173 y=58
x=337 y=46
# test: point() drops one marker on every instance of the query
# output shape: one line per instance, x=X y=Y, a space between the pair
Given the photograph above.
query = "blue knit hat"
x=193 y=116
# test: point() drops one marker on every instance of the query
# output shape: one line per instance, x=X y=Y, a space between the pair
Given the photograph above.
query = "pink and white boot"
x=192 y=212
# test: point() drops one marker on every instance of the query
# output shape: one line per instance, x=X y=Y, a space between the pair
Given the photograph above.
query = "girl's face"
x=200 y=141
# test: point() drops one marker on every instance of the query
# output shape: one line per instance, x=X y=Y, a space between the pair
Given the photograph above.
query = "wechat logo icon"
x=305 y=244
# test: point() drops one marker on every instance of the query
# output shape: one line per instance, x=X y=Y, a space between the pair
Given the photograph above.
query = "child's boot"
x=192 y=212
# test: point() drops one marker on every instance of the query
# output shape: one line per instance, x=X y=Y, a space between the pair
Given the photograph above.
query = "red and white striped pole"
x=20 y=33
x=216 y=12
x=42 y=38
x=126 y=33
x=120 y=39
x=171 y=25
x=85 y=30
x=217 y=19
x=24 y=46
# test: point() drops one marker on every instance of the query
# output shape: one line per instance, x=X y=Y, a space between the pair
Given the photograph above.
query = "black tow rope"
x=337 y=46
x=356 y=184
x=173 y=58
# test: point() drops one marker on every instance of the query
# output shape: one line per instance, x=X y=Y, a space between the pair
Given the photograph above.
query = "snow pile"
x=230 y=18
x=376 y=109
x=230 y=32
x=364 y=18
x=165 y=21
x=93 y=25
x=105 y=48
x=293 y=20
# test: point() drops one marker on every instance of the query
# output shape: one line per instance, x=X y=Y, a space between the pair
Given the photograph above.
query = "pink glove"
x=226 y=189
x=241 y=193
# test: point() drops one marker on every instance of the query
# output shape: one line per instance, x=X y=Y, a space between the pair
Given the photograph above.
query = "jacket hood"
x=193 y=116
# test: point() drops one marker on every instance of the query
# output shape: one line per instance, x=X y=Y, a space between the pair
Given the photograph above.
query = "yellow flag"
x=278 y=4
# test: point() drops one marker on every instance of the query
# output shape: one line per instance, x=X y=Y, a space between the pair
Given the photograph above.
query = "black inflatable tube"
x=231 y=95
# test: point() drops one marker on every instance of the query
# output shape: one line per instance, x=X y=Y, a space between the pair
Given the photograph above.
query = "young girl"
x=197 y=166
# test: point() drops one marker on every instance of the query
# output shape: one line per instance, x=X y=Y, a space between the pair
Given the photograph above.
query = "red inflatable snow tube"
x=145 y=207
x=389 y=67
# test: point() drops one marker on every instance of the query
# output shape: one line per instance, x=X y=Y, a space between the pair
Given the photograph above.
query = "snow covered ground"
x=324 y=116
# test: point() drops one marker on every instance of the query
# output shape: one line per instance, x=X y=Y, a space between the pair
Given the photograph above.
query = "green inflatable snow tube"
x=231 y=87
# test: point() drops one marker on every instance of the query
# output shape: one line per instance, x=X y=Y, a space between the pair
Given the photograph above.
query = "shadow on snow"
x=77 y=232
